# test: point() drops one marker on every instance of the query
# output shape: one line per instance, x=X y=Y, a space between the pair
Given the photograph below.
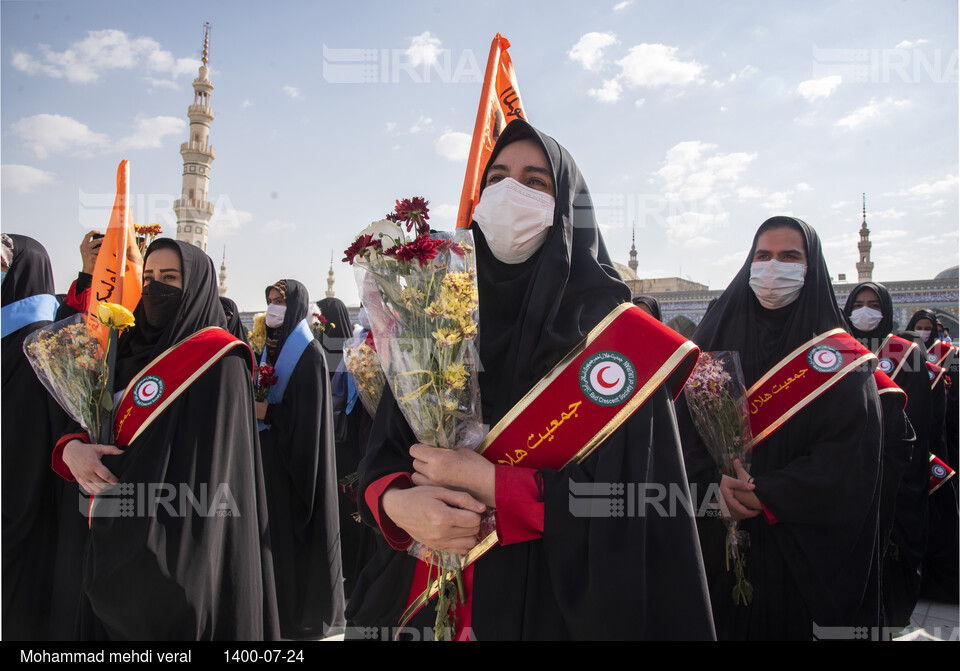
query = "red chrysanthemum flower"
x=359 y=248
x=413 y=212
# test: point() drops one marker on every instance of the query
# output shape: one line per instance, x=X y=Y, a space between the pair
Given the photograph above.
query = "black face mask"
x=160 y=302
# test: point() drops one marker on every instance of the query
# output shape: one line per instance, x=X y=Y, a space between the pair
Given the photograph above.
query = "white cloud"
x=150 y=132
x=803 y=187
x=275 y=225
x=694 y=171
x=697 y=180
x=746 y=72
x=100 y=51
x=245 y=104
x=749 y=193
x=50 y=133
x=588 y=51
x=840 y=204
x=639 y=102
x=454 y=146
x=906 y=44
x=421 y=124
x=657 y=65
x=161 y=84
x=944 y=187
x=622 y=5
x=391 y=125
x=778 y=201
x=688 y=228
x=24 y=178
x=292 y=91
x=609 y=93
x=444 y=214
x=892 y=213
x=226 y=220
x=815 y=89
x=874 y=111
x=424 y=49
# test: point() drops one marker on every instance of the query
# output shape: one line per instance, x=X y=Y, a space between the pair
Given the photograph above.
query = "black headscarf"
x=651 y=303
x=533 y=313
x=232 y=314
x=738 y=322
x=298 y=307
x=925 y=314
x=883 y=329
x=336 y=313
x=199 y=308
x=29 y=274
x=334 y=337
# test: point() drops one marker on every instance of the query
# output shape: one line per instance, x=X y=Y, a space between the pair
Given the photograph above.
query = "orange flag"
x=116 y=281
x=499 y=105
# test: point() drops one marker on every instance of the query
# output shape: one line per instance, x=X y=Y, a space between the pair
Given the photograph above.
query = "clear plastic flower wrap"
x=421 y=299
x=717 y=399
x=71 y=363
x=363 y=363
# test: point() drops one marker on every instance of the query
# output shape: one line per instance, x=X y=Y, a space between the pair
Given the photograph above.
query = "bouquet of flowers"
x=717 y=399
x=266 y=378
x=72 y=364
x=146 y=234
x=319 y=325
x=363 y=364
x=421 y=296
x=258 y=336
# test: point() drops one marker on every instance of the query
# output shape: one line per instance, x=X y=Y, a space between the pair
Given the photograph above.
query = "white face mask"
x=274 y=316
x=514 y=219
x=776 y=284
x=923 y=333
x=865 y=319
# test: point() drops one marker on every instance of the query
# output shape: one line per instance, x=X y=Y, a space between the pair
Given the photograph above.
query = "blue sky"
x=695 y=120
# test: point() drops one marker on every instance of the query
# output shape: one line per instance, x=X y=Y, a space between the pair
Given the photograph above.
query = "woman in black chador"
x=296 y=433
x=179 y=550
x=903 y=504
x=810 y=499
x=32 y=421
x=545 y=280
x=941 y=566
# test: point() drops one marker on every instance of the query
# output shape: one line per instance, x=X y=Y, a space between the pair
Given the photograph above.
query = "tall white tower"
x=192 y=209
x=864 y=265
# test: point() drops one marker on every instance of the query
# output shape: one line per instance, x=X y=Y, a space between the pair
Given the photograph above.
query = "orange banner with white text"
x=499 y=105
x=118 y=275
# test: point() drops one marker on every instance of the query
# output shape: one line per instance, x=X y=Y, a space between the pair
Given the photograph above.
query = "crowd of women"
x=843 y=527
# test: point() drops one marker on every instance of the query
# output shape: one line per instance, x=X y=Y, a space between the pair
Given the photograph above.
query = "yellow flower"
x=258 y=336
x=446 y=337
x=115 y=316
x=455 y=377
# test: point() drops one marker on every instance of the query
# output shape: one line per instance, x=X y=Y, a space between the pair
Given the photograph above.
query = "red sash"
x=887 y=386
x=583 y=400
x=939 y=473
x=935 y=372
x=800 y=378
x=162 y=381
x=939 y=351
x=893 y=354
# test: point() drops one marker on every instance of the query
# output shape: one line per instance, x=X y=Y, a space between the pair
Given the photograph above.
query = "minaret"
x=192 y=209
x=222 y=290
x=633 y=250
x=865 y=265
x=330 y=279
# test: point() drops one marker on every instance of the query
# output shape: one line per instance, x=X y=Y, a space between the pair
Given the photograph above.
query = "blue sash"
x=39 y=308
x=296 y=342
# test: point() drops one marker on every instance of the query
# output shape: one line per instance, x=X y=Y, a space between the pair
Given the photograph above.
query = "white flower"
x=386 y=231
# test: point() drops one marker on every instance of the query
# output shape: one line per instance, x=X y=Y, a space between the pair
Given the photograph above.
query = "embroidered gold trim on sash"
x=812 y=395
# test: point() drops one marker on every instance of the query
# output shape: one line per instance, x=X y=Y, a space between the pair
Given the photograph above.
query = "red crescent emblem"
x=603 y=383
